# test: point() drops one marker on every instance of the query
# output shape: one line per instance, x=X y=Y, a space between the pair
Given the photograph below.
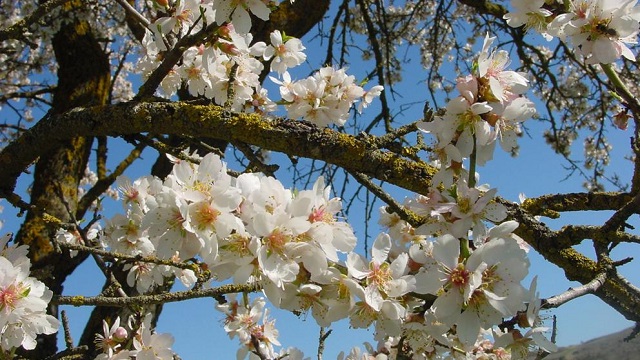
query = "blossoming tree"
x=190 y=80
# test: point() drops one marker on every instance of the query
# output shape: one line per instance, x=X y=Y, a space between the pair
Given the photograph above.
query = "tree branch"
x=141 y=300
x=22 y=27
x=545 y=204
x=296 y=138
x=573 y=293
x=617 y=293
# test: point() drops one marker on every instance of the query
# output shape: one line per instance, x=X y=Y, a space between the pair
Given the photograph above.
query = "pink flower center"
x=379 y=275
x=320 y=215
x=459 y=276
x=9 y=296
x=276 y=241
x=206 y=216
x=131 y=195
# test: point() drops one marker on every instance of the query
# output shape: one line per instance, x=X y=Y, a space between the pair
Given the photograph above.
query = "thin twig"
x=405 y=214
x=323 y=337
x=68 y=341
x=576 y=292
x=126 y=258
x=142 y=300
x=136 y=15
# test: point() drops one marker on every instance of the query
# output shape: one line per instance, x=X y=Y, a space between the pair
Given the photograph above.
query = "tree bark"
x=83 y=80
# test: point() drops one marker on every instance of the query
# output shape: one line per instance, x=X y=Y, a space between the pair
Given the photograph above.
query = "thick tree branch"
x=296 y=138
x=355 y=154
x=549 y=205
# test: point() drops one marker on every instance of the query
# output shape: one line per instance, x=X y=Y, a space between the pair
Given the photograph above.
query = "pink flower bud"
x=120 y=334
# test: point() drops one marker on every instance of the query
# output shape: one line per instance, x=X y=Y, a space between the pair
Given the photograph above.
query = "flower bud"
x=120 y=334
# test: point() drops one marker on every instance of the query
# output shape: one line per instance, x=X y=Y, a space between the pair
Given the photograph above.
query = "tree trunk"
x=83 y=80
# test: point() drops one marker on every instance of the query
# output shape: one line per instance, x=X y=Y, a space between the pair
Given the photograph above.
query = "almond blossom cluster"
x=600 y=30
x=23 y=300
x=489 y=109
x=251 y=229
x=443 y=287
x=252 y=325
x=227 y=68
x=138 y=342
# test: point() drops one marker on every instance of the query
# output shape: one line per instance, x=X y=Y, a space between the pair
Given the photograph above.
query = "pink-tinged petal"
x=504 y=229
x=399 y=287
x=429 y=282
x=356 y=266
x=381 y=248
x=495 y=212
x=399 y=266
x=260 y=9
x=373 y=297
x=481 y=108
x=446 y=251
x=457 y=105
x=626 y=52
x=498 y=303
x=605 y=51
x=298 y=225
x=475 y=281
x=447 y=306
x=392 y=310
x=465 y=143
x=223 y=11
x=542 y=341
x=496 y=88
x=241 y=20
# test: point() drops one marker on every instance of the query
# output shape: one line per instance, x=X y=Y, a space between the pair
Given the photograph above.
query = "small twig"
x=142 y=300
x=255 y=163
x=15 y=200
x=101 y=263
x=388 y=138
x=256 y=348
x=135 y=14
x=170 y=59
x=572 y=293
x=126 y=258
x=619 y=217
x=162 y=147
x=622 y=262
x=22 y=27
x=634 y=332
x=406 y=214
x=68 y=341
x=104 y=182
x=323 y=336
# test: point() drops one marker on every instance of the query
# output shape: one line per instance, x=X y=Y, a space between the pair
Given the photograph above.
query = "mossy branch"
x=142 y=300
x=546 y=205
x=23 y=26
x=615 y=291
x=295 y=138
